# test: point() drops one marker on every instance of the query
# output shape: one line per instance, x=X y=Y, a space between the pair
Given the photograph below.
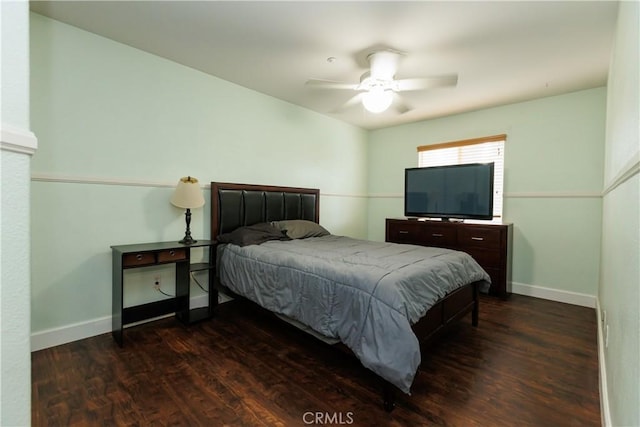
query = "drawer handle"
x=172 y=253
x=437 y=235
x=403 y=232
x=139 y=257
x=478 y=238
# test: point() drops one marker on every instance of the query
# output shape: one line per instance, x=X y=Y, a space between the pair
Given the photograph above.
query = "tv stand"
x=489 y=244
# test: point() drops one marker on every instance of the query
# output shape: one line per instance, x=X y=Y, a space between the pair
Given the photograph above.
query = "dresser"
x=490 y=245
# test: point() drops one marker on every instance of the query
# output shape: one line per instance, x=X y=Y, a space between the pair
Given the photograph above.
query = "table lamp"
x=187 y=195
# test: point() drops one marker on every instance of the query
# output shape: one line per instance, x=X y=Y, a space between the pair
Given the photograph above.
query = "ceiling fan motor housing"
x=383 y=64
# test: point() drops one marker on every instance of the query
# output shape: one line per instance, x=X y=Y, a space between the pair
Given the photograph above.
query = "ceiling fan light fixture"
x=377 y=99
x=378 y=88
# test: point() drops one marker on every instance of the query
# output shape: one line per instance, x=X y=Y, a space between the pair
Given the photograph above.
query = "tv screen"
x=454 y=191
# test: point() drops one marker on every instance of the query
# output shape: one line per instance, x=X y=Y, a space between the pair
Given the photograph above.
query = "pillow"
x=300 y=228
x=253 y=235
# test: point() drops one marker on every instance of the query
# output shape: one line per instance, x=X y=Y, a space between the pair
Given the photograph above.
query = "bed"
x=381 y=301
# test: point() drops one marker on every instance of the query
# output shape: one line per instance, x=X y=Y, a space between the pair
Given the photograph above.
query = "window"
x=479 y=150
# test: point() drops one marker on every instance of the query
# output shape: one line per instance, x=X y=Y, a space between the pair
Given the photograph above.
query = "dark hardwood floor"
x=530 y=362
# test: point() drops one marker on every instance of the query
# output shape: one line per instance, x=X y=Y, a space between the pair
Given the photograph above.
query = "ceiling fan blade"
x=330 y=84
x=427 y=82
x=352 y=102
x=399 y=105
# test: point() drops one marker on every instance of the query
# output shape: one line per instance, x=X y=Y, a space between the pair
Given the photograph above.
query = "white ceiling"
x=503 y=52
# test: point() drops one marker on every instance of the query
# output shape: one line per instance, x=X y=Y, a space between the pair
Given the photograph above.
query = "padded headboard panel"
x=237 y=205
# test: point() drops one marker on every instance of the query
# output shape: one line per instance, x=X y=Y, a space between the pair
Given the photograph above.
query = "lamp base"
x=188 y=240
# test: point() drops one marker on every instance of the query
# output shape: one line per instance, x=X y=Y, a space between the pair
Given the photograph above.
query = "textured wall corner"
x=16 y=146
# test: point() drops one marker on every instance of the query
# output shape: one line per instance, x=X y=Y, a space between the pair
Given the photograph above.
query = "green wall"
x=619 y=293
x=553 y=181
x=118 y=127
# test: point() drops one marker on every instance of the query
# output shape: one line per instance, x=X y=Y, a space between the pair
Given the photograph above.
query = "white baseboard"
x=78 y=331
x=68 y=333
x=605 y=413
x=567 y=297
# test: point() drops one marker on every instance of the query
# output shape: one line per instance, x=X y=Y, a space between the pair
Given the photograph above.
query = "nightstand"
x=150 y=254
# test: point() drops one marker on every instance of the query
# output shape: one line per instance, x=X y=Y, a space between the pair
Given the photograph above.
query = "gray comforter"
x=366 y=294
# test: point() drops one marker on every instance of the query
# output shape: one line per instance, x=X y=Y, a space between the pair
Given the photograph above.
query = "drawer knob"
x=437 y=234
x=478 y=238
x=403 y=232
x=139 y=257
x=172 y=253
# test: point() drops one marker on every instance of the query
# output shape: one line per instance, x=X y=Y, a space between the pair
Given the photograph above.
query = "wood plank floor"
x=530 y=362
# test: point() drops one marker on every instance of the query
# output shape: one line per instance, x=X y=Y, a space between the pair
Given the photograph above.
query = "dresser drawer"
x=486 y=237
x=138 y=259
x=172 y=255
x=487 y=258
x=499 y=283
x=440 y=235
x=404 y=232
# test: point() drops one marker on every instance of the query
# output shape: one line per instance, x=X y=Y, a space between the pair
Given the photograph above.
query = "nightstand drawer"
x=486 y=237
x=172 y=255
x=138 y=259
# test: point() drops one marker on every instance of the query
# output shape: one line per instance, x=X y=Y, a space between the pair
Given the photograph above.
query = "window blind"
x=478 y=150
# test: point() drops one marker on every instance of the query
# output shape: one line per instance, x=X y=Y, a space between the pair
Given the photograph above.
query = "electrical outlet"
x=603 y=318
x=156 y=282
x=606 y=336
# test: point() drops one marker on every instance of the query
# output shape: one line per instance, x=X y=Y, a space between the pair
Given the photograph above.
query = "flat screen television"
x=453 y=191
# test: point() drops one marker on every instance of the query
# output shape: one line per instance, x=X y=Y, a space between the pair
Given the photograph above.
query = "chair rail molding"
x=17 y=140
x=629 y=170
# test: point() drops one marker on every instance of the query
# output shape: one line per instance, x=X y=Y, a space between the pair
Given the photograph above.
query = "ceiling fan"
x=378 y=88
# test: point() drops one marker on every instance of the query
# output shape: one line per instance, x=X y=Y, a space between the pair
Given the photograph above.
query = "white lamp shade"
x=376 y=100
x=188 y=194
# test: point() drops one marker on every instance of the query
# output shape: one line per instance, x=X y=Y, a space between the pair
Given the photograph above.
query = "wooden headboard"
x=237 y=205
